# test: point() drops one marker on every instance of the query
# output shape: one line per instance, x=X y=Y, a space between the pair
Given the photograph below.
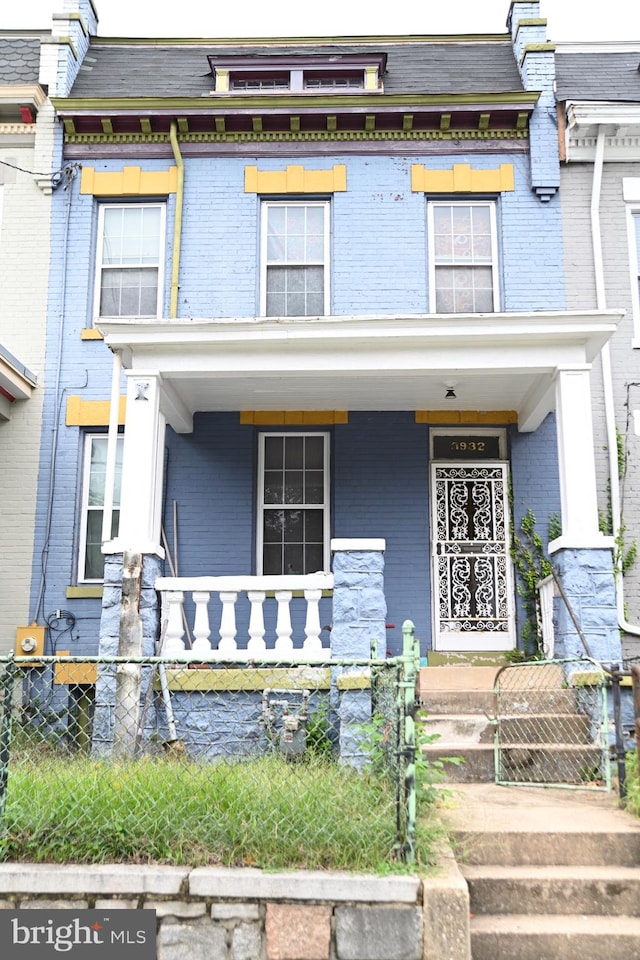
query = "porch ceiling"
x=493 y=361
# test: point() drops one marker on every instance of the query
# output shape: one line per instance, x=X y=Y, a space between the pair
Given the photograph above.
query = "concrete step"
x=554 y=846
x=510 y=703
x=560 y=937
x=589 y=890
x=457 y=728
x=532 y=763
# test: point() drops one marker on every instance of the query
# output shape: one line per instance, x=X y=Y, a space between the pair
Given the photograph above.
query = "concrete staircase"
x=544 y=738
x=552 y=874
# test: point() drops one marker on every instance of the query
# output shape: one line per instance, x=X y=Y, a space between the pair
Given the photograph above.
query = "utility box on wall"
x=29 y=642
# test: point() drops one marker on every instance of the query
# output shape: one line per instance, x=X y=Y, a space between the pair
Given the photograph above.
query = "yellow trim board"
x=92 y=413
x=462 y=178
x=295 y=179
x=75 y=673
x=90 y=333
x=249 y=678
x=85 y=593
x=293 y=418
x=129 y=182
x=470 y=417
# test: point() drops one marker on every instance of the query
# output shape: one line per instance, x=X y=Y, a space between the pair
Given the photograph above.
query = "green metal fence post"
x=6 y=685
x=409 y=669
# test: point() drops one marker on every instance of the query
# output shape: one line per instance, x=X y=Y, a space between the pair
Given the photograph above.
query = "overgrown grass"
x=268 y=813
x=632 y=800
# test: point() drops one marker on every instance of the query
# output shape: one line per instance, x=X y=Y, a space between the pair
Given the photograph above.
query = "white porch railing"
x=259 y=591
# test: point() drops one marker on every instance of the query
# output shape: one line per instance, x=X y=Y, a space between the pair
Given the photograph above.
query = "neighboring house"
x=598 y=92
x=26 y=161
x=322 y=283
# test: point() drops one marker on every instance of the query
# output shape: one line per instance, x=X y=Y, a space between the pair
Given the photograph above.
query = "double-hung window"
x=91 y=559
x=293 y=503
x=463 y=273
x=295 y=259
x=129 y=258
x=634 y=260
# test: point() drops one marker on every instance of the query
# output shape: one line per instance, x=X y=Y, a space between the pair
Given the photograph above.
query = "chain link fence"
x=156 y=760
x=552 y=724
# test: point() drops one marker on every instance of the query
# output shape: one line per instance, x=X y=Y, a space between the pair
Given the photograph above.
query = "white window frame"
x=265 y=206
x=491 y=206
x=633 y=235
x=102 y=208
x=85 y=507
x=325 y=506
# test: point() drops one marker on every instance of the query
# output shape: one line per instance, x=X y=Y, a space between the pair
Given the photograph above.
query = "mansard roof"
x=19 y=59
x=180 y=68
x=599 y=74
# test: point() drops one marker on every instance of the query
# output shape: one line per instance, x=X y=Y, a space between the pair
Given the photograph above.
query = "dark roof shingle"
x=598 y=76
x=182 y=70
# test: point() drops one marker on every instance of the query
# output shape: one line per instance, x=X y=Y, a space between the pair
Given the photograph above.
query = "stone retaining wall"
x=212 y=913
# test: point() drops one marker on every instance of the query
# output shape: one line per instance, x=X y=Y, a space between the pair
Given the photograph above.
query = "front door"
x=473 y=583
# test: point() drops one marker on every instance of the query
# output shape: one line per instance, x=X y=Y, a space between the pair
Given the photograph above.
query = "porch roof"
x=406 y=362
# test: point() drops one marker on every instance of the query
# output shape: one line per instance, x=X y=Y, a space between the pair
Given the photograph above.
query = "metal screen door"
x=473 y=595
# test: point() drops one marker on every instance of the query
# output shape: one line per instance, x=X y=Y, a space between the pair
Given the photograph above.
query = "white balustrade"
x=182 y=640
x=546 y=592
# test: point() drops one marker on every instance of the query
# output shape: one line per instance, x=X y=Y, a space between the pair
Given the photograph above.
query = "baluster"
x=256 y=645
x=227 y=646
x=201 y=629
x=284 y=643
x=313 y=643
x=173 y=639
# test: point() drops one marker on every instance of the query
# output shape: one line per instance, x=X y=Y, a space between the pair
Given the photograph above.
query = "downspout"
x=177 y=227
x=607 y=379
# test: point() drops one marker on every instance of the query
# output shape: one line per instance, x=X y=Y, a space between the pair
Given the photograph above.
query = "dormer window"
x=321 y=80
x=347 y=73
x=258 y=82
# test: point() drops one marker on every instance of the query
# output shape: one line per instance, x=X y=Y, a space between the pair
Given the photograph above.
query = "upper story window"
x=322 y=80
x=298 y=72
x=258 y=83
x=634 y=258
x=129 y=260
x=463 y=269
x=91 y=559
x=294 y=258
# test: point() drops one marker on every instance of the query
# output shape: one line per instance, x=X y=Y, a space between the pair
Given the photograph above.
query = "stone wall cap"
x=358 y=546
x=116 y=878
x=252 y=884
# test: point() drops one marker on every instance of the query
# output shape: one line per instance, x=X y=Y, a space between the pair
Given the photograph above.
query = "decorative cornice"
x=301 y=136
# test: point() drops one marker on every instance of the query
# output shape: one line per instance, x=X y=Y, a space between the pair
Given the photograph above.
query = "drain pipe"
x=607 y=378
x=177 y=227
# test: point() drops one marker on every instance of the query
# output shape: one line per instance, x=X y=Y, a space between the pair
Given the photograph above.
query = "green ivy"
x=532 y=565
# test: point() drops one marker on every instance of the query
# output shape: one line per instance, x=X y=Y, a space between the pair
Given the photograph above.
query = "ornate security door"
x=473 y=595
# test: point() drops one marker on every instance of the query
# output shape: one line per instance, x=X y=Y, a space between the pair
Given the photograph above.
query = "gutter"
x=607 y=377
x=177 y=227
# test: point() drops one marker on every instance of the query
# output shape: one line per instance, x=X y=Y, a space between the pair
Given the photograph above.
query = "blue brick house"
x=316 y=346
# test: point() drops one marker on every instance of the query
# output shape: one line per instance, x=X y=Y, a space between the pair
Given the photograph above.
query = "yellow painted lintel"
x=467 y=417
x=248 y=678
x=92 y=592
x=129 y=182
x=91 y=413
x=295 y=179
x=90 y=333
x=293 y=418
x=462 y=178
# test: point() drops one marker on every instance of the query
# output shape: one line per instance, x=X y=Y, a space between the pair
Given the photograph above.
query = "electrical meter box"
x=29 y=643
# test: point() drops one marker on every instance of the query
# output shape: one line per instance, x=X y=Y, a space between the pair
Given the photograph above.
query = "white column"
x=141 y=495
x=578 y=496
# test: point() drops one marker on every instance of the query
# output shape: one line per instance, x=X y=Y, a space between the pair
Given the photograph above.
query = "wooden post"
x=127 y=701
